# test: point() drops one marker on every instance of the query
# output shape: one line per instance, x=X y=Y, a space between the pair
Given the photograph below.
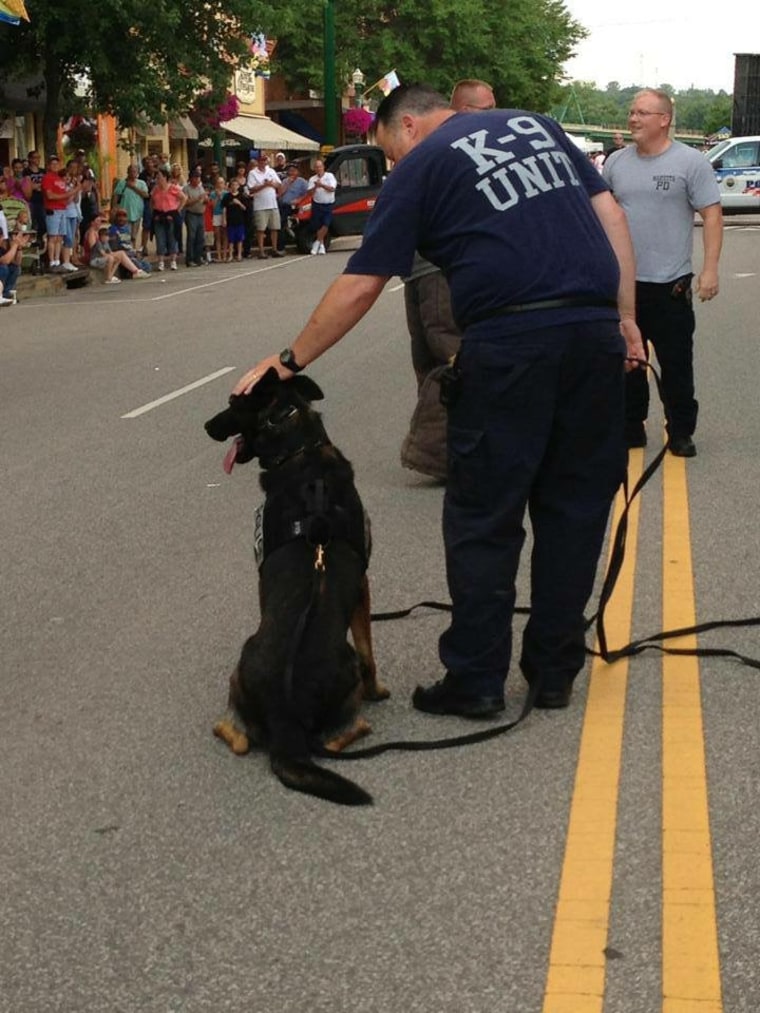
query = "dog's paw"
x=375 y=690
x=228 y=731
x=357 y=731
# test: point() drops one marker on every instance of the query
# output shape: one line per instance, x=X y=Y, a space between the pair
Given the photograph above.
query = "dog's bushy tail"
x=306 y=776
x=291 y=762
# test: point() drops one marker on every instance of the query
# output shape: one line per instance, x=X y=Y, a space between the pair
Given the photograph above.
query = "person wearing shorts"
x=236 y=211
x=322 y=187
x=55 y=197
x=220 y=191
x=264 y=188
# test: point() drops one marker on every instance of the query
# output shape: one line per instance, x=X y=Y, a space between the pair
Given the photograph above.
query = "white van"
x=737 y=169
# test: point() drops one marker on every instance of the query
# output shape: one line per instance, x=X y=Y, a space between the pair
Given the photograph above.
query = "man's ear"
x=409 y=123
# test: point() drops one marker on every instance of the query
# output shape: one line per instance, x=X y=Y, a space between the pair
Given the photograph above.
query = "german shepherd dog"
x=299 y=681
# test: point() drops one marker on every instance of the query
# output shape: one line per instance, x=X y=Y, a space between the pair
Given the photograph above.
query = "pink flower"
x=357 y=120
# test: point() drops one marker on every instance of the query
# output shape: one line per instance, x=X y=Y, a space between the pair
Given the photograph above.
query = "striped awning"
x=265 y=133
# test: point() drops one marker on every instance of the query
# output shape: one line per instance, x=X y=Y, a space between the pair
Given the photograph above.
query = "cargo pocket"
x=468 y=465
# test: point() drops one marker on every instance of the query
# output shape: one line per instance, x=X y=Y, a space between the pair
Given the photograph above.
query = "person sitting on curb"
x=97 y=253
x=11 y=252
x=120 y=238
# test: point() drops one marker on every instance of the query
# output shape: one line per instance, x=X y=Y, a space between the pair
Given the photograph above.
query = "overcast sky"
x=651 y=42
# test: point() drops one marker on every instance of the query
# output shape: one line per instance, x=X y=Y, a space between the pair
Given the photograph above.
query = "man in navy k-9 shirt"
x=539 y=261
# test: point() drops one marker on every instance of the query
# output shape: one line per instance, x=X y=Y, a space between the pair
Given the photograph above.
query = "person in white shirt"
x=264 y=187
x=322 y=187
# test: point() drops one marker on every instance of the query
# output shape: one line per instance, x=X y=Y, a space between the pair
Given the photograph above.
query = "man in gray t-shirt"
x=660 y=183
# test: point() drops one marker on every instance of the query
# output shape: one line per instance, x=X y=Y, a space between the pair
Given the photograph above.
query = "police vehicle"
x=736 y=162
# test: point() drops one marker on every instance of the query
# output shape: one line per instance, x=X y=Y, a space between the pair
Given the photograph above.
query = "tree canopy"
x=128 y=57
x=518 y=46
x=697 y=109
x=150 y=60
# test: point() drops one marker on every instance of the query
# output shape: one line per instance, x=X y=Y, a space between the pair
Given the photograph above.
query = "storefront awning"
x=148 y=129
x=293 y=121
x=183 y=129
x=265 y=133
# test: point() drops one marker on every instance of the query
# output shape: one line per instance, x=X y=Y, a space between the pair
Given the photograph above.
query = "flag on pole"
x=260 y=53
x=12 y=11
x=389 y=82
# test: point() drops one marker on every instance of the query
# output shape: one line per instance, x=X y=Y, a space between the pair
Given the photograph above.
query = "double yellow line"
x=690 y=964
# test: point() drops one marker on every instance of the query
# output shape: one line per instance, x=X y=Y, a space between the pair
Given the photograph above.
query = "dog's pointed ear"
x=222 y=426
x=270 y=378
x=307 y=388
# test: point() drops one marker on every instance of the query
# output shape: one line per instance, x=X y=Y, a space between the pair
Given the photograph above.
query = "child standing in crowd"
x=235 y=206
x=223 y=251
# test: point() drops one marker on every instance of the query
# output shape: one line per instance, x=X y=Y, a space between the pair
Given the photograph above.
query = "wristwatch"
x=288 y=360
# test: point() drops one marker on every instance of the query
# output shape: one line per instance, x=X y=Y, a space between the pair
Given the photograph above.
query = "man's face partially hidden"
x=396 y=140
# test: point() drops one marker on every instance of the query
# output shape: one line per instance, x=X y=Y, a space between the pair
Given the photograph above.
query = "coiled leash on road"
x=653 y=642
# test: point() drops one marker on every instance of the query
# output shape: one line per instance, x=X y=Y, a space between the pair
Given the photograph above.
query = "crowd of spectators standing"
x=159 y=213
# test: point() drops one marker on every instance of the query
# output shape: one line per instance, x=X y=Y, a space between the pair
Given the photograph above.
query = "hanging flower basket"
x=357 y=121
x=206 y=115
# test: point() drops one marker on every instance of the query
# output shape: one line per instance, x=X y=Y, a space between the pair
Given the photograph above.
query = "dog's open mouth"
x=231 y=456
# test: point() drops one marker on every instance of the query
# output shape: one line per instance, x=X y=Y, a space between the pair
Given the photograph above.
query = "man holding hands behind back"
x=540 y=265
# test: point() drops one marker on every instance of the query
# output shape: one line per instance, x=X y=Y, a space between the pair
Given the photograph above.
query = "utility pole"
x=330 y=97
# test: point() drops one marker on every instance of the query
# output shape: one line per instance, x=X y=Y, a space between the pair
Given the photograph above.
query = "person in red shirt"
x=55 y=196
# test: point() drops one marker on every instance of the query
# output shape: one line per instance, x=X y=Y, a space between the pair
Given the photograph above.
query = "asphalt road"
x=144 y=868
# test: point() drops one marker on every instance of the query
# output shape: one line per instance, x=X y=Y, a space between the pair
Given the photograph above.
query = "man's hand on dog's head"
x=247 y=382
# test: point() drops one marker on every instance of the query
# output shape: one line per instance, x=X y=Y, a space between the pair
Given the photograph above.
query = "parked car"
x=360 y=170
x=736 y=162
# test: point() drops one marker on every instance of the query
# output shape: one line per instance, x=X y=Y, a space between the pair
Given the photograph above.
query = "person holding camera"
x=11 y=252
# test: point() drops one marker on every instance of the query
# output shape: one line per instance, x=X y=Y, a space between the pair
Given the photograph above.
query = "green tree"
x=699 y=110
x=128 y=57
x=518 y=46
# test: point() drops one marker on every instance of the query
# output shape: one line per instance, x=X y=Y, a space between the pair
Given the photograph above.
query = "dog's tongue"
x=230 y=456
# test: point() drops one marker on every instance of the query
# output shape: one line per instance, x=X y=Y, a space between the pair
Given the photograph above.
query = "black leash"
x=653 y=642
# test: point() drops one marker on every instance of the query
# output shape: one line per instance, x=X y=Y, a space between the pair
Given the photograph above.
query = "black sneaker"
x=682 y=446
x=635 y=436
x=443 y=698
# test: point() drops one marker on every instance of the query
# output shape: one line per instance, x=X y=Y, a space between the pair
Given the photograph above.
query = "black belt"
x=543 y=304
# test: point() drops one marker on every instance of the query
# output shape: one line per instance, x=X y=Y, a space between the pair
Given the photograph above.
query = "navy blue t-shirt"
x=500 y=201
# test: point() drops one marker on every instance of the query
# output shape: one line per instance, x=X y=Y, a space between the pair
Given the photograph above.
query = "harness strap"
x=301 y=624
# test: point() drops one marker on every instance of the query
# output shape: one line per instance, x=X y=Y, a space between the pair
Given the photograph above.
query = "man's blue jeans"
x=8 y=275
x=195 y=240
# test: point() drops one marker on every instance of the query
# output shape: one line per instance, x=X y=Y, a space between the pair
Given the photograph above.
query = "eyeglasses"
x=645 y=112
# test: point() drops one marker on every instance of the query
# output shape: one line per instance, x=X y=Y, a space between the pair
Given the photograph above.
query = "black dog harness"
x=314 y=517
